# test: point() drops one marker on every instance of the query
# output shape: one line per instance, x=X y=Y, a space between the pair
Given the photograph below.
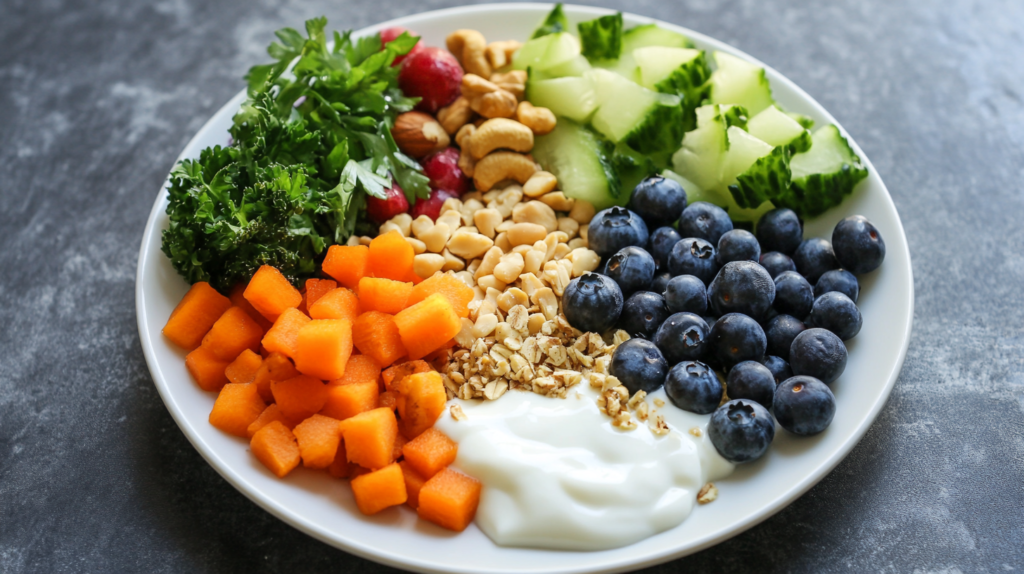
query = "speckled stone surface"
x=97 y=98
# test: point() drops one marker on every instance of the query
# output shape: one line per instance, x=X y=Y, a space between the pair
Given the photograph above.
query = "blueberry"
x=751 y=380
x=780 y=230
x=818 y=353
x=686 y=294
x=781 y=331
x=660 y=245
x=710 y=321
x=704 y=220
x=642 y=314
x=814 y=257
x=741 y=430
x=839 y=280
x=738 y=245
x=615 y=228
x=592 y=303
x=736 y=338
x=742 y=287
x=632 y=268
x=804 y=405
x=775 y=263
x=694 y=387
x=683 y=337
x=837 y=313
x=694 y=256
x=639 y=365
x=658 y=200
x=779 y=368
x=660 y=282
x=793 y=294
x=859 y=246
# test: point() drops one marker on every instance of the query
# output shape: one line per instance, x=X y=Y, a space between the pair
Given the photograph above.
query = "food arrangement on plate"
x=526 y=282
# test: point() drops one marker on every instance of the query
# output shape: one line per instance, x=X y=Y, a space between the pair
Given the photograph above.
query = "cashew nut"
x=486 y=98
x=500 y=53
x=514 y=82
x=466 y=162
x=469 y=46
x=500 y=133
x=455 y=115
x=540 y=120
x=502 y=165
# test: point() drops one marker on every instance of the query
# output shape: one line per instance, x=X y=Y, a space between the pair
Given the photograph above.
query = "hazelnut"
x=418 y=134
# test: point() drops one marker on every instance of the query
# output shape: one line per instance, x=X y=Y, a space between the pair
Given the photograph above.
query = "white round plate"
x=323 y=507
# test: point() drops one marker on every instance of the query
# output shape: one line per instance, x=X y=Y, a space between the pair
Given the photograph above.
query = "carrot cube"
x=370 y=438
x=390 y=256
x=360 y=369
x=243 y=369
x=375 y=334
x=383 y=295
x=449 y=499
x=421 y=402
x=270 y=414
x=238 y=299
x=400 y=442
x=274 y=446
x=413 y=483
x=458 y=293
x=393 y=375
x=197 y=311
x=379 y=489
x=427 y=325
x=299 y=397
x=276 y=367
x=271 y=293
x=236 y=407
x=388 y=400
x=348 y=400
x=338 y=303
x=317 y=288
x=284 y=335
x=346 y=264
x=339 y=466
x=318 y=438
x=234 y=332
x=206 y=369
x=323 y=348
x=430 y=452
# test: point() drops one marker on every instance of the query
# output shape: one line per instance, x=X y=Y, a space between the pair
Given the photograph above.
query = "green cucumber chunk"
x=650 y=121
x=775 y=127
x=737 y=81
x=580 y=159
x=658 y=62
x=546 y=52
x=570 y=97
x=601 y=38
x=824 y=175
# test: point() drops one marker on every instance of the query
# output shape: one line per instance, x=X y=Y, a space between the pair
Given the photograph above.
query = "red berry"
x=443 y=170
x=389 y=34
x=432 y=74
x=431 y=207
x=381 y=210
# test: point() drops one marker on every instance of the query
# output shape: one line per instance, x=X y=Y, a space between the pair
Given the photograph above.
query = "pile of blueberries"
x=769 y=309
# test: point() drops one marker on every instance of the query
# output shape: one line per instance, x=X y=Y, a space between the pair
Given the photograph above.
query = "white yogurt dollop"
x=557 y=474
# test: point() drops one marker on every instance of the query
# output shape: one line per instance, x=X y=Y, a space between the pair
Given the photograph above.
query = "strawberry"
x=432 y=74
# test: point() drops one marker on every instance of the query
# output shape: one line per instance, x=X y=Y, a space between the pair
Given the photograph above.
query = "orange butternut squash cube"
x=323 y=348
x=243 y=369
x=233 y=333
x=238 y=299
x=400 y=442
x=317 y=288
x=318 y=438
x=449 y=499
x=197 y=311
x=275 y=367
x=271 y=293
x=388 y=400
x=376 y=334
x=427 y=325
x=299 y=397
x=284 y=335
x=447 y=284
x=384 y=295
x=370 y=438
x=270 y=414
x=391 y=257
x=394 y=374
x=348 y=400
x=207 y=369
x=236 y=407
x=274 y=446
x=413 y=484
x=360 y=369
x=430 y=452
x=339 y=466
x=379 y=489
x=421 y=402
x=338 y=303
x=346 y=264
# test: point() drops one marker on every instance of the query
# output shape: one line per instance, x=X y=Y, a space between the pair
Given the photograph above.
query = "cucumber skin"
x=764 y=181
x=602 y=37
x=689 y=82
x=814 y=194
x=603 y=151
x=659 y=132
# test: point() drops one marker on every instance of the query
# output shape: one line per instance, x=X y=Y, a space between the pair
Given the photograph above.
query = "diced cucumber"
x=652 y=35
x=546 y=52
x=766 y=179
x=574 y=67
x=737 y=81
x=700 y=158
x=569 y=97
x=579 y=159
x=693 y=193
x=731 y=114
x=805 y=121
x=776 y=128
x=628 y=111
x=744 y=150
x=823 y=175
x=658 y=62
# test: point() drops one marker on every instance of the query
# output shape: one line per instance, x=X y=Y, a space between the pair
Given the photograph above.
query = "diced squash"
x=207 y=369
x=388 y=400
x=338 y=303
x=323 y=348
x=394 y=374
x=302 y=306
x=270 y=414
x=457 y=292
x=197 y=311
x=379 y=489
x=276 y=367
x=370 y=438
x=348 y=400
x=236 y=407
x=400 y=442
x=360 y=369
x=421 y=402
x=339 y=467
x=346 y=264
x=355 y=470
x=317 y=288
x=243 y=369
x=384 y=295
x=284 y=335
x=318 y=438
x=390 y=256
x=233 y=333
x=427 y=325
x=238 y=299
x=299 y=397
x=271 y=293
x=274 y=446
x=413 y=483
x=375 y=334
x=449 y=499
x=430 y=452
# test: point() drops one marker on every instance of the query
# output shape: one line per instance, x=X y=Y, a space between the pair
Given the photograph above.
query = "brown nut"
x=418 y=134
x=500 y=133
x=497 y=104
x=499 y=54
x=455 y=115
x=514 y=82
x=540 y=120
x=502 y=165
x=469 y=46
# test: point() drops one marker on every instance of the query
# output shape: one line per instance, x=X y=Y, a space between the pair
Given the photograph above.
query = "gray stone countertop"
x=98 y=98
